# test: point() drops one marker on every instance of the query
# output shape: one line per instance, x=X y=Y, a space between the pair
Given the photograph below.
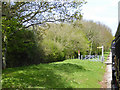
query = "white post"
x=78 y=56
x=102 y=53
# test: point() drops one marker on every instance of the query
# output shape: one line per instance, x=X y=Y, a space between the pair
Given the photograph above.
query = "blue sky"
x=104 y=11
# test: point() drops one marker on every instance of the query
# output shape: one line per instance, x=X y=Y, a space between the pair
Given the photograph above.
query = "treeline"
x=58 y=42
x=82 y=35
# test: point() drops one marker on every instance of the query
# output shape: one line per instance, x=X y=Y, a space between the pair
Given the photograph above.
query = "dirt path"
x=106 y=83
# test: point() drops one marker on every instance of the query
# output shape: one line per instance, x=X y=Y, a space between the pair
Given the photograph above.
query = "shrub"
x=53 y=51
x=22 y=49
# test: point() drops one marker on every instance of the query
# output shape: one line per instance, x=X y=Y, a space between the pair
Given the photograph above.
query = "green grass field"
x=67 y=74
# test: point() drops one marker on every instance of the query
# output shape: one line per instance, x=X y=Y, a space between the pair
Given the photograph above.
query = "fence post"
x=81 y=57
x=98 y=57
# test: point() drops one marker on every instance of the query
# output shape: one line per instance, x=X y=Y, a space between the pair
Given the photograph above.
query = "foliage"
x=60 y=41
x=98 y=34
x=17 y=17
x=21 y=46
x=76 y=36
x=37 y=13
x=70 y=38
x=23 y=51
x=8 y=27
x=53 y=51
x=39 y=44
x=66 y=74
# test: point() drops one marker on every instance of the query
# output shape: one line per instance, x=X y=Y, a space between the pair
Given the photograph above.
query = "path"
x=106 y=83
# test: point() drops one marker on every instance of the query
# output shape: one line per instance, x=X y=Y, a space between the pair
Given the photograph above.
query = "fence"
x=89 y=57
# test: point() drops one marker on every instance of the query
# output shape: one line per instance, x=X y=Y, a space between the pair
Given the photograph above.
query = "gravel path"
x=106 y=83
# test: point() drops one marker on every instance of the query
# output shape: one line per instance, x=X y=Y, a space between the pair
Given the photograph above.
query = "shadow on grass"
x=33 y=77
x=69 y=68
x=17 y=69
x=39 y=76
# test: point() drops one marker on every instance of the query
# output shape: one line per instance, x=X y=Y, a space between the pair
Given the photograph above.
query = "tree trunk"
x=91 y=49
x=4 y=57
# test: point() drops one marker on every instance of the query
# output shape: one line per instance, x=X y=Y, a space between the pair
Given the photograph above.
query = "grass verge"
x=67 y=74
x=106 y=56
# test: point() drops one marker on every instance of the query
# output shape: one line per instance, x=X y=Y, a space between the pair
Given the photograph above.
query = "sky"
x=104 y=11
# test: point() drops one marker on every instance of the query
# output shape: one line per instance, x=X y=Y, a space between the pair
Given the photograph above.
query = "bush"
x=22 y=49
x=53 y=51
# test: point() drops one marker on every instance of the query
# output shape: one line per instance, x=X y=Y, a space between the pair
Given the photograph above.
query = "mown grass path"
x=67 y=74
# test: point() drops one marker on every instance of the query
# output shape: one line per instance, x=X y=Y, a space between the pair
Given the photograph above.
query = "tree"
x=98 y=34
x=22 y=15
x=70 y=37
x=37 y=13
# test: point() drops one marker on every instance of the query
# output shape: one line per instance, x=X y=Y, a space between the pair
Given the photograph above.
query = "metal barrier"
x=91 y=57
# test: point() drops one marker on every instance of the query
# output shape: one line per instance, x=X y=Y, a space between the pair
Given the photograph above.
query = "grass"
x=67 y=74
x=106 y=55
